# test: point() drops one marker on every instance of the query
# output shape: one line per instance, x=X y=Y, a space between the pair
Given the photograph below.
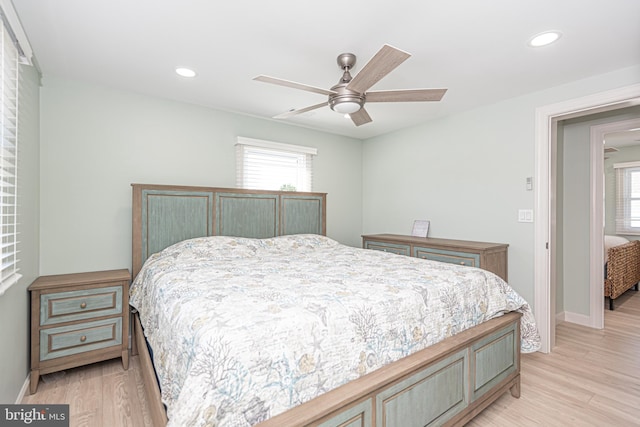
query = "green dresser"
x=488 y=256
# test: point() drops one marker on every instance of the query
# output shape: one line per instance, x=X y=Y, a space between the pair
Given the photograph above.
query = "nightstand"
x=77 y=319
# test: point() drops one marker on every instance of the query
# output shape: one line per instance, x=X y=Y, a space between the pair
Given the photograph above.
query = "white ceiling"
x=477 y=49
x=622 y=138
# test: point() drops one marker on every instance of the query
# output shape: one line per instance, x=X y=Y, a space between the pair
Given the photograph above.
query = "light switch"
x=525 y=215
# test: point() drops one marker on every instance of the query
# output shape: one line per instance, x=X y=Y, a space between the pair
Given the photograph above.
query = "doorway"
x=583 y=181
x=545 y=228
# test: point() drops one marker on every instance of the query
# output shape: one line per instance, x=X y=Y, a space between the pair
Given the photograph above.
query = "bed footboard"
x=448 y=383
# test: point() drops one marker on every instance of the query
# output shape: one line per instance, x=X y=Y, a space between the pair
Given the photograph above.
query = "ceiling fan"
x=350 y=94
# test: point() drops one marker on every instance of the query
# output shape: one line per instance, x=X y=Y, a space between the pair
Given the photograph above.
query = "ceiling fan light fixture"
x=346 y=107
x=345 y=101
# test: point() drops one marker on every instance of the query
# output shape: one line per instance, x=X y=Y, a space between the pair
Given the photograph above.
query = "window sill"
x=7 y=283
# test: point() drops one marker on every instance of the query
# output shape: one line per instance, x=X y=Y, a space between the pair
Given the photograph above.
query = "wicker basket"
x=623 y=269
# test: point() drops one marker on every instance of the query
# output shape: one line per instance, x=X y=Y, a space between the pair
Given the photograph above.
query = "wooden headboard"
x=166 y=214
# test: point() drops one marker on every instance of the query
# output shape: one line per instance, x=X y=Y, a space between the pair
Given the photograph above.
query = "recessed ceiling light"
x=185 y=72
x=544 y=39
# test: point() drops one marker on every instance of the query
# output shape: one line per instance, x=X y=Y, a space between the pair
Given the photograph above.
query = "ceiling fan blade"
x=407 y=95
x=299 y=111
x=382 y=63
x=360 y=117
x=287 y=83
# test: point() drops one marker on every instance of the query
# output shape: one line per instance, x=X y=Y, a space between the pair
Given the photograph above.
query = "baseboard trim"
x=23 y=390
x=579 y=319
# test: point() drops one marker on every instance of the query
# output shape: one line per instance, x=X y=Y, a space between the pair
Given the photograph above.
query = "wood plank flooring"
x=99 y=395
x=592 y=378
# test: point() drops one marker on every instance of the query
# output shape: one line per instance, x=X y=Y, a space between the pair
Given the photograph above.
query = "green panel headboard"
x=166 y=214
x=173 y=217
x=247 y=215
x=302 y=214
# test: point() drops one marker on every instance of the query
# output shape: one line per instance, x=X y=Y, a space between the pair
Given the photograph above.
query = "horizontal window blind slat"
x=9 y=103
x=268 y=166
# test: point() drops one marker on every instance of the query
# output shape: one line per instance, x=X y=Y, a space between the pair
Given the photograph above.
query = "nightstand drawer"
x=452 y=257
x=73 y=339
x=79 y=305
x=388 y=247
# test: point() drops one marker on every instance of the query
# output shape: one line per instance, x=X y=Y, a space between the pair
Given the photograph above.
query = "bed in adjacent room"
x=298 y=329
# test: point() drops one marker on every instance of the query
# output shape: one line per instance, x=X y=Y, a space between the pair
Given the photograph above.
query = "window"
x=267 y=165
x=627 y=197
x=10 y=56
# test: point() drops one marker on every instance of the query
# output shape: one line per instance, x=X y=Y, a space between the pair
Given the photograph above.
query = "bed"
x=396 y=341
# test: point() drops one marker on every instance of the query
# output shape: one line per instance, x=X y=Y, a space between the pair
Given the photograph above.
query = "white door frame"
x=596 y=249
x=545 y=193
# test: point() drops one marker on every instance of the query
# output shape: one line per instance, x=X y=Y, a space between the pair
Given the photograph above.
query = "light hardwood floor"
x=99 y=395
x=592 y=378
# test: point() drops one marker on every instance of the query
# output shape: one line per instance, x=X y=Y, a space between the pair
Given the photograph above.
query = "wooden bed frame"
x=448 y=383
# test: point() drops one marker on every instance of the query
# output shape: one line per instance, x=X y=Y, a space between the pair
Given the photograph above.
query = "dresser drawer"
x=73 y=339
x=452 y=257
x=68 y=306
x=388 y=247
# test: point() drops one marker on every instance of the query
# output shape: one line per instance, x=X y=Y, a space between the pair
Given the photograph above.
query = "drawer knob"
x=83 y=305
x=83 y=338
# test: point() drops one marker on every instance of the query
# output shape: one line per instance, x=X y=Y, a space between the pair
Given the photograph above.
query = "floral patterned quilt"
x=243 y=329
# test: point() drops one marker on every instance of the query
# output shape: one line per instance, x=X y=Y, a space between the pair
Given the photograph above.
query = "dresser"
x=488 y=256
x=77 y=319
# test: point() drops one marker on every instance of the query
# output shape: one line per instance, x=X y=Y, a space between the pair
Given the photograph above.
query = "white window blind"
x=267 y=165
x=9 y=159
x=627 y=197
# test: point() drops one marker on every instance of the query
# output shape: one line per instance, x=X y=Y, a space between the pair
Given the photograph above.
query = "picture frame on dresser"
x=420 y=228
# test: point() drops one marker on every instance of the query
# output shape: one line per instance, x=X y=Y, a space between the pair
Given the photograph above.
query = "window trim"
x=623 y=198
x=289 y=150
x=277 y=145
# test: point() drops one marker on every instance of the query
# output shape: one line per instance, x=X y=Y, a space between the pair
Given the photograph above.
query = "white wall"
x=467 y=172
x=97 y=141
